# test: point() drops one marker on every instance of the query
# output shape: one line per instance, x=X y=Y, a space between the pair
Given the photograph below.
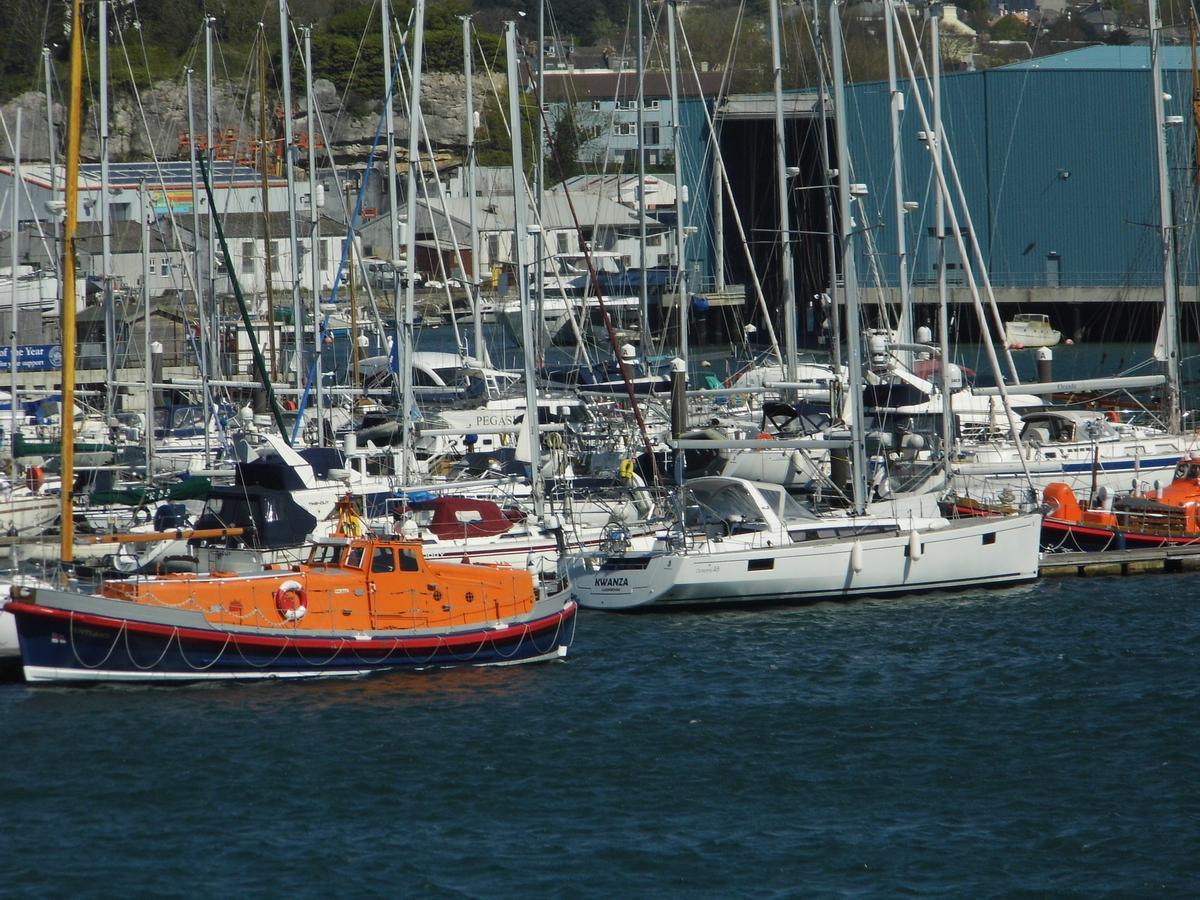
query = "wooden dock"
x=1121 y=562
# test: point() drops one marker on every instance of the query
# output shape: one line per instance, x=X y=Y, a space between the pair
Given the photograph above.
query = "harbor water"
x=1027 y=742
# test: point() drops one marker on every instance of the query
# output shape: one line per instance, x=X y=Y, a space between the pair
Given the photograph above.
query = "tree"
x=565 y=141
x=1009 y=28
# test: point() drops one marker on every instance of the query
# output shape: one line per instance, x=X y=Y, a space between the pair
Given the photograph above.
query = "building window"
x=275 y=256
x=654 y=240
x=595 y=106
x=247 y=257
x=651 y=136
x=493 y=246
x=651 y=104
x=625 y=128
x=323 y=249
x=165 y=267
x=562 y=237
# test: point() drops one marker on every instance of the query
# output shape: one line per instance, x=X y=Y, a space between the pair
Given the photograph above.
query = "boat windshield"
x=1187 y=470
x=791 y=509
x=725 y=502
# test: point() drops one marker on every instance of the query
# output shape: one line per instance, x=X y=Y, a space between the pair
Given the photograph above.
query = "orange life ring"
x=291 y=601
x=34 y=477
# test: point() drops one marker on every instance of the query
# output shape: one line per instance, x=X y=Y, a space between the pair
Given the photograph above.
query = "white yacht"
x=746 y=542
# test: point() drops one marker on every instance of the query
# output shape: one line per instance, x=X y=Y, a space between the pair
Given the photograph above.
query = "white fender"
x=914 y=545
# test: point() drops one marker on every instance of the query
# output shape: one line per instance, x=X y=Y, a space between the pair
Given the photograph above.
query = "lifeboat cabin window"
x=384 y=560
x=354 y=558
x=408 y=561
x=325 y=555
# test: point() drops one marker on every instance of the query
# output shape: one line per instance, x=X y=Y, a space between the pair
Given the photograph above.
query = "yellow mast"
x=74 y=130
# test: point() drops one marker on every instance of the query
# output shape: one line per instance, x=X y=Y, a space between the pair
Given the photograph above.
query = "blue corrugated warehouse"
x=1057 y=159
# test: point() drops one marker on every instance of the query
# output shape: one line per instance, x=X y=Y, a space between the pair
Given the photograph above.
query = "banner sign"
x=33 y=357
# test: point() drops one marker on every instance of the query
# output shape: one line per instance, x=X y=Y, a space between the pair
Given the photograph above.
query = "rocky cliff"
x=158 y=124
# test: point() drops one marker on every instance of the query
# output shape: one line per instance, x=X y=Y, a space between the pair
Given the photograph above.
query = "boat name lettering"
x=612 y=581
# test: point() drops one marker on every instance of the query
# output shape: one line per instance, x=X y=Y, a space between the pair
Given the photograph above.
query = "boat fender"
x=34 y=478
x=914 y=545
x=856 y=557
x=626 y=469
x=291 y=601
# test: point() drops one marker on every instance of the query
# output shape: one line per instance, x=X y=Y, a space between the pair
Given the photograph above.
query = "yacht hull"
x=963 y=554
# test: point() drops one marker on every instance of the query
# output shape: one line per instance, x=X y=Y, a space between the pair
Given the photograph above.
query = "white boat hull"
x=966 y=554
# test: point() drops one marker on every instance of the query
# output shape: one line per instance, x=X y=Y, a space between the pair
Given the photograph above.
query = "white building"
x=603 y=224
x=169 y=186
x=247 y=237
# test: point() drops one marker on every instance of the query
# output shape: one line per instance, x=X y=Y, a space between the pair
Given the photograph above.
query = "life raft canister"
x=291 y=601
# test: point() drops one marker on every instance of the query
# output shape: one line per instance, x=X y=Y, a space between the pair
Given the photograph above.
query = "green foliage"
x=493 y=145
x=28 y=25
x=565 y=142
x=1009 y=28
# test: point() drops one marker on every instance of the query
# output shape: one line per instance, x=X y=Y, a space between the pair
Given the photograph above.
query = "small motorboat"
x=1030 y=330
x=358 y=605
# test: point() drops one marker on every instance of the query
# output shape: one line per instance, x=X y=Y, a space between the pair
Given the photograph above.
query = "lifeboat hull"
x=71 y=637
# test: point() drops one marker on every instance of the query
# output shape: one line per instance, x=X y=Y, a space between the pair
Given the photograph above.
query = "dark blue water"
x=1039 y=741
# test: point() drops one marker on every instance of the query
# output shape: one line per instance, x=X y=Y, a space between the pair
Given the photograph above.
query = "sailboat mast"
x=643 y=285
x=50 y=136
x=202 y=324
x=314 y=245
x=680 y=189
x=405 y=330
x=539 y=185
x=520 y=231
x=289 y=156
x=390 y=129
x=264 y=146
x=214 y=329
x=782 y=185
x=849 y=272
x=469 y=189
x=835 y=324
x=1166 y=226
x=110 y=315
x=896 y=106
x=12 y=261
x=939 y=233
x=74 y=129
x=1193 y=36
x=147 y=350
